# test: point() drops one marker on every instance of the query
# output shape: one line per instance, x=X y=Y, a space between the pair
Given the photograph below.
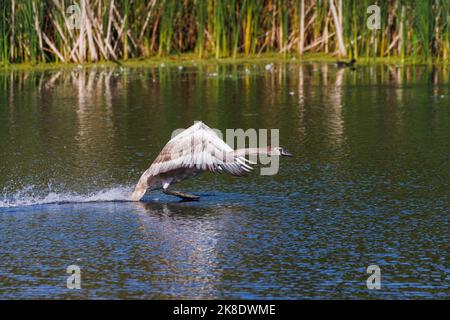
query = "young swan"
x=195 y=150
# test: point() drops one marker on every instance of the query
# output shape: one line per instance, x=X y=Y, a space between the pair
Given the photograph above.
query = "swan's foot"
x=182 y=195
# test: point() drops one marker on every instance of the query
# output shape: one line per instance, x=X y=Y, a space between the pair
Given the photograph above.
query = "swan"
x=195 y=150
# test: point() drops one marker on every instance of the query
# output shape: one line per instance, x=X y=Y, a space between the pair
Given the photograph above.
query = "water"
x=369 y=183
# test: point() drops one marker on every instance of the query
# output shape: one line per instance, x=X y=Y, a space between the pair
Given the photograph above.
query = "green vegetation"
x=37 y=31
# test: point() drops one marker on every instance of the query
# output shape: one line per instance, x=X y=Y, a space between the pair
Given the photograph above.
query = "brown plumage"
x=197 y=149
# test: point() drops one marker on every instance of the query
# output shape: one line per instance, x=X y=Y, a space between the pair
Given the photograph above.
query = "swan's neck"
x=252 y=151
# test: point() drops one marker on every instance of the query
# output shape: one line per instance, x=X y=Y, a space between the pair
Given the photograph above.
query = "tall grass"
x=39 y=31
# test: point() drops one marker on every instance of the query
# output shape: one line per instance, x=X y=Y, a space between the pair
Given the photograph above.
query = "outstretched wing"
x=199 y=147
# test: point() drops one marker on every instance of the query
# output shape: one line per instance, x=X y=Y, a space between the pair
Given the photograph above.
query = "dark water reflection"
x=369 y=183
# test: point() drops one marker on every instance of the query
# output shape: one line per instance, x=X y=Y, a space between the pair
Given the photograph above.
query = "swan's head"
x=283 y=152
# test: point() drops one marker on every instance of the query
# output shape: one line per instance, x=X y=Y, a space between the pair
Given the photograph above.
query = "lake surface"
x=369 y=183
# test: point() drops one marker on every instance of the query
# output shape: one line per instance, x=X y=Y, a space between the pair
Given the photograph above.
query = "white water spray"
x=29 y=197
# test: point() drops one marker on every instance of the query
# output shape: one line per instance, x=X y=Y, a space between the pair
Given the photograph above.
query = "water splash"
x=28 y=196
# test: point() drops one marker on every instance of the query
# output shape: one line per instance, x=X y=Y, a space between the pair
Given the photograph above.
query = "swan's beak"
x=286 y=153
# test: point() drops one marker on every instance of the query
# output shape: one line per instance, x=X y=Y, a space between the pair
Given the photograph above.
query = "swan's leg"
x=182 y=195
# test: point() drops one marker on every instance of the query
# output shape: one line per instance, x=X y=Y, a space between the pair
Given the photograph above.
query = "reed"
x=40 y=31
x=201 y=14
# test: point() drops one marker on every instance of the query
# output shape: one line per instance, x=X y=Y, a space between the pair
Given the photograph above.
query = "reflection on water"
x=369 y=183
x=188 y=240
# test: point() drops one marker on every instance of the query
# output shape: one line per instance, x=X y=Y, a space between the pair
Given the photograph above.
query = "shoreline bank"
x=192 y=59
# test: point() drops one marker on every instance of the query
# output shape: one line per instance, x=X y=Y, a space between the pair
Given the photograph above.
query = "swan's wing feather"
x=198 y=147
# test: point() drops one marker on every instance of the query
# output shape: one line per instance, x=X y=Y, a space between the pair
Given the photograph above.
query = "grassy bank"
x=190 y=59
x=82 y=31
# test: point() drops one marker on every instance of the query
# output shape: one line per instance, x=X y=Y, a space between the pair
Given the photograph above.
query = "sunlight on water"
x=369 y=183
